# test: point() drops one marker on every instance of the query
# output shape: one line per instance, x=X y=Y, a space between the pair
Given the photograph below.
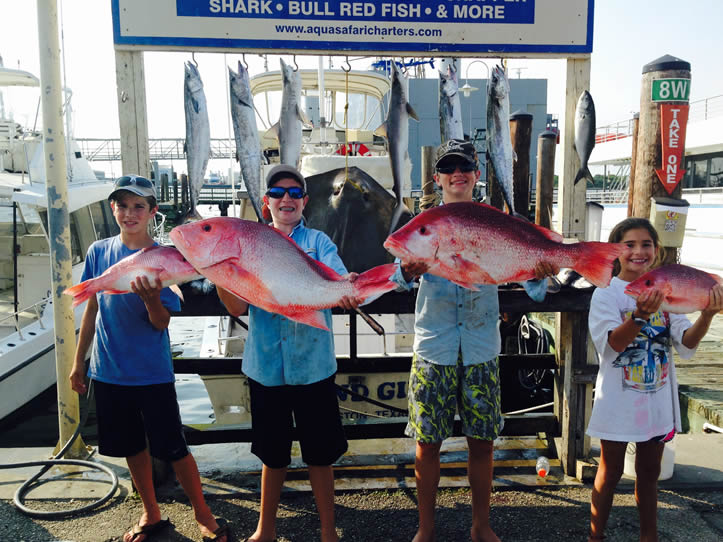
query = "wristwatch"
x=638 y=320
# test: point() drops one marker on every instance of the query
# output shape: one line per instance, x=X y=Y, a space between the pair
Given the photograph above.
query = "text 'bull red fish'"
x=473 y=243
x=267 y=269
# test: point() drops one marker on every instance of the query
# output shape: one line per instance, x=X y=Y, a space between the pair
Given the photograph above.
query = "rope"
x=429 y=200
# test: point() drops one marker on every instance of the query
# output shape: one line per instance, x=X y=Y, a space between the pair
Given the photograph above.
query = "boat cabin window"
x=77 y=249
x=105 y=224
x=365 y=111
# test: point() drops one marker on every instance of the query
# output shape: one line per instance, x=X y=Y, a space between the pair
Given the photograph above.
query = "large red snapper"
x=686 y=289
x=157 y=263
x=473 y=243
x=266 y=268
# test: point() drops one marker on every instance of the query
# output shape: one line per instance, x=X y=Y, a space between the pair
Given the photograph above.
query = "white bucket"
x=666 y=466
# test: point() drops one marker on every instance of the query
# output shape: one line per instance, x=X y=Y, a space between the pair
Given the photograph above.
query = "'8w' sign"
x=671 y=90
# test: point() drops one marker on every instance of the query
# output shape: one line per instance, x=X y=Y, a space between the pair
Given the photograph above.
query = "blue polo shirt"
x=127 y=349
x=449 y=318
x=280 y=351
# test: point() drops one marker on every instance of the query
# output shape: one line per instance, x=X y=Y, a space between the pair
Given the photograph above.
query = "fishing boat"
x=27 y=343
x=333 y=140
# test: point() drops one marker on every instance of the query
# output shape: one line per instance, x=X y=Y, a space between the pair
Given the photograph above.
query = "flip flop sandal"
x=222 y=530
x=151 y=529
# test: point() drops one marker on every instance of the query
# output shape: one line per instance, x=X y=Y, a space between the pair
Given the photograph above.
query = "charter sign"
x=473 y=27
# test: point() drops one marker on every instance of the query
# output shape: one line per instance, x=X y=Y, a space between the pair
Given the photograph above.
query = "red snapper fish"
x=472 y=243
x=156 y=262
x=267 y=269
x=686 y=289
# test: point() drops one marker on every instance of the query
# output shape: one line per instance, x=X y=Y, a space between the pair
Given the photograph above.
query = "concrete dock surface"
x=378 y=501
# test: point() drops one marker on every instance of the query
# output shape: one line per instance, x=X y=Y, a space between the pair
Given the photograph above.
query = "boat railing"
x=37 y=308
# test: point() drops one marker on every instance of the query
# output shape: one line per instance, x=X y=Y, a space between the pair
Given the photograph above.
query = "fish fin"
x=584 y=172
x=302 y=115
x=81 y=292
x=310 y=318
x=594 y=260
x=514 y=155
x=273 y=131
x=196 y=106
x=381 y=131
x=327 y=271
x=411 y=112
x=536 y=289
x=113 y=291
x=375 y=281
x=176 y=290
x=549 y=234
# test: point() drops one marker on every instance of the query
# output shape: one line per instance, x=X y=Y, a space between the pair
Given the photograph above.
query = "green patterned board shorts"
x=436 y=392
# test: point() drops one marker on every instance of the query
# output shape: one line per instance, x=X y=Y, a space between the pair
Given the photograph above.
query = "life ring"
x=354 y=149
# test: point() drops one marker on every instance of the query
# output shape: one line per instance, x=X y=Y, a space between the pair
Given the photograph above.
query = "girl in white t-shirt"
x=636 y=393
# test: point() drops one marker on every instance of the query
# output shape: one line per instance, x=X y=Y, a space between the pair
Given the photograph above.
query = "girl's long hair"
x=635 y=223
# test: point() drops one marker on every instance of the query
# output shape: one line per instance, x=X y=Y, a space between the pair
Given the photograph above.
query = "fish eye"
x=207 y=227
x=647 y=282
x=423 y=230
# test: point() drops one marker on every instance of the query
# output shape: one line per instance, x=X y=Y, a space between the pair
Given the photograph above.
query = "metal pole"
x=58 y=221
x=15 y=259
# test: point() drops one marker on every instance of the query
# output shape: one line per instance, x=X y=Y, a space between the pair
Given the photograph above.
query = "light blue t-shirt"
x=127 y=349
x=280 y=351
x=449 y=319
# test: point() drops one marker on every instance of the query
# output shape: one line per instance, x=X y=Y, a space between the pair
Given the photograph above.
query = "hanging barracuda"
x=584 y=134
x=499 y=143
x=288 y=129
x=198 y=134
x=396 y=130
x=450 y=109
x=246 y=134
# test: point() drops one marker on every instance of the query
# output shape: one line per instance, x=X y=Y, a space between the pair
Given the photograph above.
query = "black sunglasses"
x=128 y=180
x=464 y=167
x=277 y=192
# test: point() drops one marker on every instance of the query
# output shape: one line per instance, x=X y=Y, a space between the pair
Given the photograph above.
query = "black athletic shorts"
x=129 y=414
x=313 y=409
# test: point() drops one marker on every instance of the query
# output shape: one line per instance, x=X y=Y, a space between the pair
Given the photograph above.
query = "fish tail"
x=375 y=281
x=594 y=261
x=584 y=172
x=81 y=292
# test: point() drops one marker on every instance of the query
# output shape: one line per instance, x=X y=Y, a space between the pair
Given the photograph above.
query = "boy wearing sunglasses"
x=455 y=366
x=131 y=368
x=291 y=369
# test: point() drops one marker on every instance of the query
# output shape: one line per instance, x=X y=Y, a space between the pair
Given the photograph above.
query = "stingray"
x=355 y=213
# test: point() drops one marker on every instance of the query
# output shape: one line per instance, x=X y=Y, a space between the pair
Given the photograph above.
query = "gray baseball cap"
x=140 y=186
x=284 y=171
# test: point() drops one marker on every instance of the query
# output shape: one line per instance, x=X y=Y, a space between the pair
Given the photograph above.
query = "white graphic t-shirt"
x=636 y=392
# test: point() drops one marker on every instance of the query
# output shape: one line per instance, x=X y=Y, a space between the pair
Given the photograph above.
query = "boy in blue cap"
x=131 y=368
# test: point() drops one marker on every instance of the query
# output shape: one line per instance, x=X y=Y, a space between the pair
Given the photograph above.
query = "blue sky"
x=627 y=35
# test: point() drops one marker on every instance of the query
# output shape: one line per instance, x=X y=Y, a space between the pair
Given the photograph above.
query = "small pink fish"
x=264 y=267
x=686 y=289
x=473 y=243
x=157 y=263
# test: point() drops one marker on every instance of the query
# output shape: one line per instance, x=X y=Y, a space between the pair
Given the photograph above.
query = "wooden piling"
x=429 y=196
x=649 y=155
x=546 y=145
x=521 y=135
